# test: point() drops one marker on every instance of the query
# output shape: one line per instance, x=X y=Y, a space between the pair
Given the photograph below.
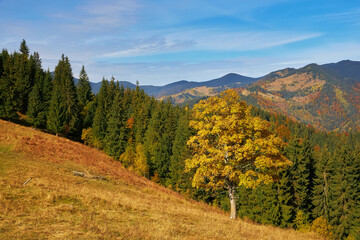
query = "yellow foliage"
x=140 y=164
x=89 y=139
x=232 y=147
x=321 y=227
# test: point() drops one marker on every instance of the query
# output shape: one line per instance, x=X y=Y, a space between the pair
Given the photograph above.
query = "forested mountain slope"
x=314 y=95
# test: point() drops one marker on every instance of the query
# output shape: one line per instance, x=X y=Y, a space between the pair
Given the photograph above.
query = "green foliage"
x=36 y=109
x=344 y=201
x=116 y=136
x=56 y=116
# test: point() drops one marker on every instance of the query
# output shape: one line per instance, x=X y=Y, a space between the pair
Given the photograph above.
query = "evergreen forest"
x=319 y=192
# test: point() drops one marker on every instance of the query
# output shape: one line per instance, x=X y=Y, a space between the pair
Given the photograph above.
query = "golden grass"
x=295 y=83
x=57 y=205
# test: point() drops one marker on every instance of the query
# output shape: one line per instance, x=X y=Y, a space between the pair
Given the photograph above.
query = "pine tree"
x=321 y=187
x=344 y=193
x=56 y=115
x=64 y=81
x=36 y=108
x=84 y=88
x=300 y=152
x=24 y=49
x=8 y=96
x=178 y=179
x=86 y=99
x=100 y=120
x=286 y=198
x=46 y=90
x=115 y=139
x=24 y=81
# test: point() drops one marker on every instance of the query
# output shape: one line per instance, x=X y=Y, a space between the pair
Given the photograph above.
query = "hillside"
x=314 y=95
x=55 y=204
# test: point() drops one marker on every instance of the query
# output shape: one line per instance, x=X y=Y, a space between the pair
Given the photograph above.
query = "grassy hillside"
x=55 y=204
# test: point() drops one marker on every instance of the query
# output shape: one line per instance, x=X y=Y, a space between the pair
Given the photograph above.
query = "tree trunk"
x=232 y=202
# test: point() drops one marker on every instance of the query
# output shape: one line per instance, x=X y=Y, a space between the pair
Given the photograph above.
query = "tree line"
x=318 y=192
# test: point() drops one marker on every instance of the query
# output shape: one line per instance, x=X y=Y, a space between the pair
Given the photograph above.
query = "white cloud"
x=210 y=40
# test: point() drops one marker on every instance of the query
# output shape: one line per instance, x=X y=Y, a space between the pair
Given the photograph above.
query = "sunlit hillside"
x=55 y=204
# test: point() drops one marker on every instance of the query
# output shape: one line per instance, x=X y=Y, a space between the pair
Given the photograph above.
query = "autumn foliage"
x=231 y=148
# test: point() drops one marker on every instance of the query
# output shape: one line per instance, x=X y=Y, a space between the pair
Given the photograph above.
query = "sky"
x=157 y=42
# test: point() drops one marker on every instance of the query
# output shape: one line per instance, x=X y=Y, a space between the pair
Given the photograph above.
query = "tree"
x=24 y=49
x=36 y=107
x=56 y=114
x=344 y=192
x=231 y=148
x=84 y=88
x=321 y=188
x=85 y=99
x=299 y=151
x=100 y=122
x=64 y=82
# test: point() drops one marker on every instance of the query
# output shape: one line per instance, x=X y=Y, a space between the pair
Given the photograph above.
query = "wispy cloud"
x=100 y=15
x=352 y=16
x=208 y=40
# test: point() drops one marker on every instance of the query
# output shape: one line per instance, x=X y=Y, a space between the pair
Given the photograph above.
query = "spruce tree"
x=286 y=198
x=344 y=192
x=300 y=152
x=86 y=100
x=56 y=115
x=24 y=80
x=178 y=179
x=64 y=81
x=321 y=185
x=8 y=96
x=36 y=109
x=100 y=120
x=84 y=88
x=115 y=139
x=24 y=49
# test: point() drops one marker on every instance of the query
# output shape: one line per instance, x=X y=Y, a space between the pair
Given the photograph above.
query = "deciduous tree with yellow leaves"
x=232 y=148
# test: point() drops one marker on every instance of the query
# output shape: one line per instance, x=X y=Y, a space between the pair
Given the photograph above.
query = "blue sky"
x=161 y=41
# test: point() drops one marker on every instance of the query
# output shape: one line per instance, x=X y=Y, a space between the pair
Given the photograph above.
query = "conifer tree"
x=8 y=96
x=24 y=49
x=100 y=119
x=86 y=99
x=46 y=90
x=344 y=192
x=115 y=139
x=64 y=82
x=36 y=109
x=178 y=179
x=84 y=88
x=300 y=152
x=321 y=185
x=286 y=198
x=56 y=115
x=24 y=81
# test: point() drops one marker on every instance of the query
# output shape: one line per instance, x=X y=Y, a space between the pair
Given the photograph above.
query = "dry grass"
x=57 y=205
x=295 y=83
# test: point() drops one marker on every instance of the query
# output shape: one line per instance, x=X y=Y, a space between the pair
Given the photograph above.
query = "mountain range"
x=324 y=96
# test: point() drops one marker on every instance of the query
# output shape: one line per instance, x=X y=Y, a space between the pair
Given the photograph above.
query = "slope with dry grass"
x=55 y=204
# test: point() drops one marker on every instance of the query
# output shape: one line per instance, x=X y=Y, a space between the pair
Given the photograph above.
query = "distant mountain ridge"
x=230 y=80
x=325 y=96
